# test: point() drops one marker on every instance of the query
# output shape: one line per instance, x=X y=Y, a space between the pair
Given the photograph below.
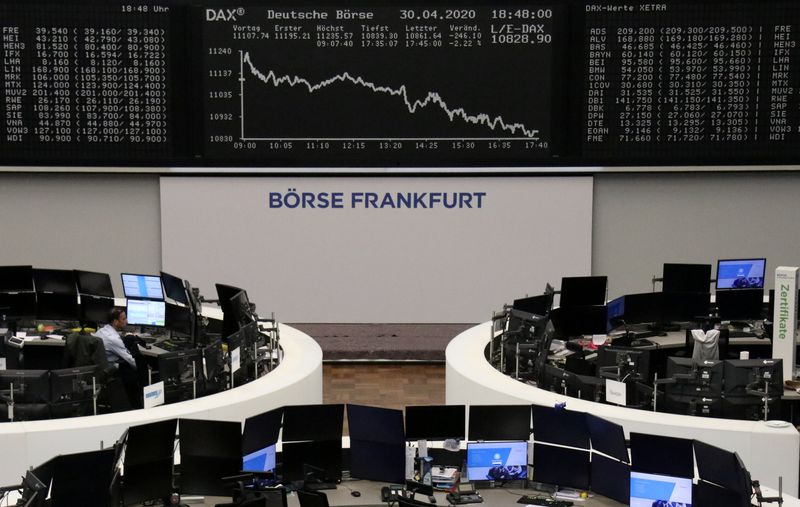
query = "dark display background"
x=539 y=85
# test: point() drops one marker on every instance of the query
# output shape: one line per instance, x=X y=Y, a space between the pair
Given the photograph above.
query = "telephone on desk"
x=465 y=493
x=391 y=492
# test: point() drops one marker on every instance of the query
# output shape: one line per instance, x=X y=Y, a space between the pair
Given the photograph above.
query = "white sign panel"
x=785 y=318
x=376 y=250
x=236 y=357
x=153 y=395
x=616 y=392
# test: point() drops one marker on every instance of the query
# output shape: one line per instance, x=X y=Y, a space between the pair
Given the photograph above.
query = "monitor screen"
x=94 y=284
x=174 y=288
x=95 y=308
x=575 y=321
x=499 y=422
x=313 y=422
x=583 y=291
x=54 y=306
x=178 y=318
x=143 y=312
x=30 y=386
x=746 y=304
x=686 y=277
x=375 y=424
x=611 y=478
x=378 y=461
x=656 y=454
x=537 y=305
x=561 y=466
x=56 y=281
x=607 y=437
x=648 y=490
x=721 y=467
x=260 y=460
x=435 y=422
x=16 y=278
x=497 y=461
x=325 y=455
x=560 y=426
x=230 y=313
x=261 y=431
x=741 y=374
x=741 y=273
x=142 y=286
x=615 y=313
x=644 y=308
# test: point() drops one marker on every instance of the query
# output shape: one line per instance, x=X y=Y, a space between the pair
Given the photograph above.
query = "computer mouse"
x=355 y=493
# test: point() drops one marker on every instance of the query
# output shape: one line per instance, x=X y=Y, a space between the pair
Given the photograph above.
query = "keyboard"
x=316 y=486
x=464 y=499
x=541 y=500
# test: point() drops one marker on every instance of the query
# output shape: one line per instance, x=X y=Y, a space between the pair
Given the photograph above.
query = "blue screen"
x=262 y=460
x=497 y=461
x=616 y=309
x=741 y=274
x=142 y=286
x=648 y=490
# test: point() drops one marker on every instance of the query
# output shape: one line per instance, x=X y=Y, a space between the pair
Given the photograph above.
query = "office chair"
x=312 y=498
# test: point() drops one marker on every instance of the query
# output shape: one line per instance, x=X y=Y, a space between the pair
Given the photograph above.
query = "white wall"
x=641 y=221
x=107 y=223
x=377 y=265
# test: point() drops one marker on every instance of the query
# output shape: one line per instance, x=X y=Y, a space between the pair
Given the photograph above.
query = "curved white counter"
x=297 y=380
x=767 y=452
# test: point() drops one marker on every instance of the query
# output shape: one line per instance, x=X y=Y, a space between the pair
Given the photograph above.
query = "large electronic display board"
x=285 y=86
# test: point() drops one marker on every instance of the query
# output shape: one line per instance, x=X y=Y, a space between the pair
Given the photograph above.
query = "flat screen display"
x=94 y=284
x=650 y=489
x=741 y=273
x=496 y=461
x=142 y=286
x=146 y=313
x=262 y=460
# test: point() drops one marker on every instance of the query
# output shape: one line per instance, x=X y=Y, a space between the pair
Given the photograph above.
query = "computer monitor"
x=499 y=422
x=230 y=313
x=144 y=312
x=497 y=461
x=56 y=281
x=435 y=422
x=706 y=376
x=723 y=468
x=258 y=440
x=644 y=308
x=148 y=464
x=648 y=490
x=181 y=371
x=260 y=460
x=94 y=284
x=743 y=374
x=245 y=339
x=53 y=306
x=240 y=307
x=611 y=478
x=685 y=306
x=626 y=363
x=615 y=313
x=741 y=273
x=95 y=308
x=209 y=452
x=20 y=305
x=174 y=288
x=178 y=319
x=16 y=278
x=686 y=277
x=583 y=291
x=740 y=304
x=214 y=367
x=142 y=286
x=560 y=426
x=656 y=454
x=71 y=391
x=377 y=443
x=325 y=455
x=537 y=305
x=70 y=486
x=698 y=405
x=313 y=422
x=575 y=321
x=561 y=466
x=29 y=386
x=607 y=437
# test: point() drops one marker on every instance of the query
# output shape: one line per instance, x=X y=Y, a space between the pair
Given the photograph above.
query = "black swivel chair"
x=312 y=498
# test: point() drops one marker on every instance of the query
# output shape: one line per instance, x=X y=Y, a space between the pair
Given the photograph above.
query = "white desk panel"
x=297 y=380
x=767 y=452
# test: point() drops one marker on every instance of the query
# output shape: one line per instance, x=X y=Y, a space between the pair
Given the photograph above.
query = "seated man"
x=118 y=354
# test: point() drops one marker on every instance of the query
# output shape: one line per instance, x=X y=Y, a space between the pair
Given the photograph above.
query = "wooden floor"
x=392 y=385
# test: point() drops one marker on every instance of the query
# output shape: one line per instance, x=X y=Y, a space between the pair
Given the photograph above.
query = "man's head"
x=118 y=318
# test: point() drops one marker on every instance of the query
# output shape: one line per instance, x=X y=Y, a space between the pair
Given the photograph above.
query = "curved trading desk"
x=767 y=452
x=297 y=380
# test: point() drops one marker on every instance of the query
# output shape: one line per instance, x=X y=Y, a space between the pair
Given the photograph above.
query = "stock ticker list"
x=84 y=82
x=363 y=82
x=694 y=79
